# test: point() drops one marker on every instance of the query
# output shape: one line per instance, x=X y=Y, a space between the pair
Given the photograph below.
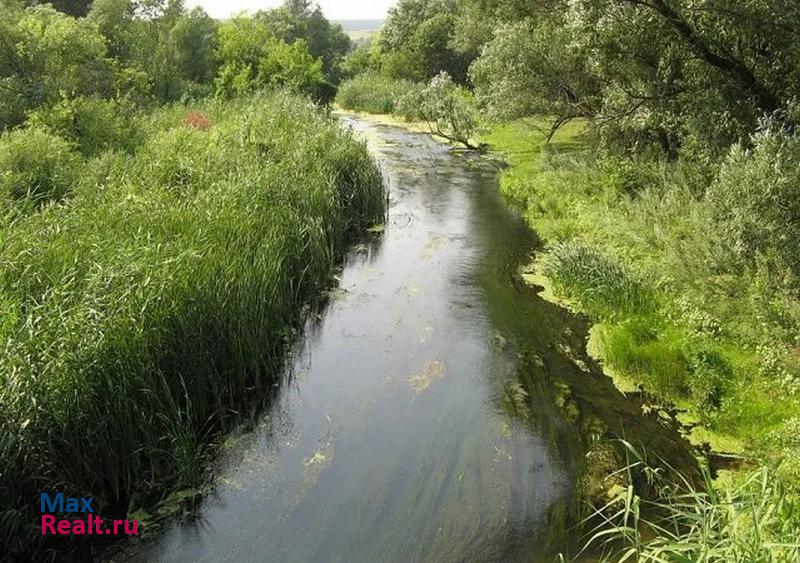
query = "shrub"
x=756 y=199
x=449 y=110
x=36 y=166
x=93 y=124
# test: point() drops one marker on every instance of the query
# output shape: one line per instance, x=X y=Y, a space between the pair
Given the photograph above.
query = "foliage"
x=363 y=59
x=251 y=59
x=416 y=41
x=531 y=68
x=44 y=53
x=448 y=108
x=36 y=167
x=375 y=93
x=160 y=301
x=756 y=202
x=194 y=39
x=93 y=124
x=297 y=20
x=76 y=8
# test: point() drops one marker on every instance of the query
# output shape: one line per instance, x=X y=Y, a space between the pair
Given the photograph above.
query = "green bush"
x=93 y=124
x=449 y=109
x=756 y=199
x=160 y=303
x=36 y=166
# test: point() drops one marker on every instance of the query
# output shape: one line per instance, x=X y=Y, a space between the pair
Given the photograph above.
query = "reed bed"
x=148 y=308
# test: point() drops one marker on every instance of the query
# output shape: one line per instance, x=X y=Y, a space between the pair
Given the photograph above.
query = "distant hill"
x=360 y=29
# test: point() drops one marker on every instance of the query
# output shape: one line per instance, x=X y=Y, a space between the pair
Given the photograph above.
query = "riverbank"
x=634 y=259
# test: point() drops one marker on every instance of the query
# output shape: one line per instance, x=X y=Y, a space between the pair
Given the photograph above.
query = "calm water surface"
x=423 y=418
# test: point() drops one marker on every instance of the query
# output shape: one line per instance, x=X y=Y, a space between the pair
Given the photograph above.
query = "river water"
x=433 y=409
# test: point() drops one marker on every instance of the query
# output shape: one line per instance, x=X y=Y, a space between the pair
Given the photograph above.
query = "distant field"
x=360 y=29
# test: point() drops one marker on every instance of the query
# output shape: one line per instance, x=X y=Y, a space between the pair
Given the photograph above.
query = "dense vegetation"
x=654 y=145
x=156 y=259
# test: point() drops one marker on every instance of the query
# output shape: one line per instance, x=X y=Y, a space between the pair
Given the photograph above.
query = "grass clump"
x=36 y=167
x=601 y=284
x=159 y=303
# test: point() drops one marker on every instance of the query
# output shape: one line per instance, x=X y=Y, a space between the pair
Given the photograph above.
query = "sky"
x=333 y=9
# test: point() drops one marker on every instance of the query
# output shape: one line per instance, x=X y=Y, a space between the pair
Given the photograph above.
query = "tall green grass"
x=752 y=520
x=374 y=93
x=143 y=313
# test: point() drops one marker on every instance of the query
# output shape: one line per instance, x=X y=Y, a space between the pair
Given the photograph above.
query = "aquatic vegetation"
x=156 y=303
x=430 y=372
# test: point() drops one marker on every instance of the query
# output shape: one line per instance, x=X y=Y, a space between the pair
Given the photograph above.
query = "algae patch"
x=430 y=372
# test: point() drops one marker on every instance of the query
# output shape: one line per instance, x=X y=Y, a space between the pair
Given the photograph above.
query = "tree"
x=296 y=20
x=75 y=8
x=678 y=70
x=448 y=109
x=251 y=57
x=531 y=69
x=194 y=41
x=417 y=41
x=45 y=55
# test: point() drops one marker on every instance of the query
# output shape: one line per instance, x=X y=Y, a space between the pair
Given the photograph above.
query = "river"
x=436 y=409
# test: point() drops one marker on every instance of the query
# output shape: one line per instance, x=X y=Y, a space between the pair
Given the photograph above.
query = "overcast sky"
x=334 y=9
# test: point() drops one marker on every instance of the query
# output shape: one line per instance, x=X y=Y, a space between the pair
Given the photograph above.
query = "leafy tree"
x=114 y=19
x=417 y=38
x=138 y=33
x=364 y=58
x=44 y=55
x=194 y=40
x=478 y=19
x=297 y=20
x=75 y=8
x=448 y=109
x=532 y=69
x=251 y=58
x=677 y=69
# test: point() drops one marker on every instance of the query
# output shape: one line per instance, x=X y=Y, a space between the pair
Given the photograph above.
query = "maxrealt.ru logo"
x=78 y=518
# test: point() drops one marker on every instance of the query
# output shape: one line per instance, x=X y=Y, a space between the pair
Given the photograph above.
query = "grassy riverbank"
x=149 y=295
x=638 y=251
